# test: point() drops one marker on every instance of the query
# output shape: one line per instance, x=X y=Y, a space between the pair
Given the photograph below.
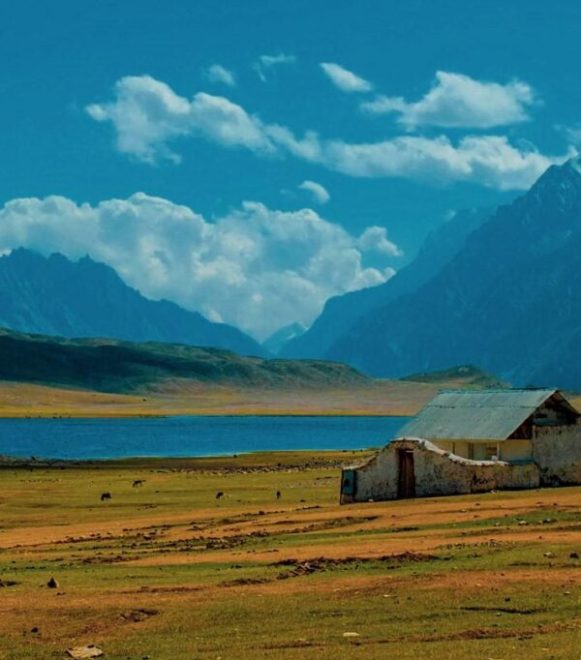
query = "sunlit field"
x=182 y=397
x=168 y=568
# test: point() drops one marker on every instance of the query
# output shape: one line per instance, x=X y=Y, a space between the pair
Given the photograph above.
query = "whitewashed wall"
x=557 y=452
x=437 y=472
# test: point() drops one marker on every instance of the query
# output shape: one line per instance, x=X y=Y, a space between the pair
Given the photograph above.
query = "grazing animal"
x=105 y=496
x=278 y=494
x=219 y=495
x=137 y=482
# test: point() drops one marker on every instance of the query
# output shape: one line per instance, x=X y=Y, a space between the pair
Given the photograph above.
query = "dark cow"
x=105 y=496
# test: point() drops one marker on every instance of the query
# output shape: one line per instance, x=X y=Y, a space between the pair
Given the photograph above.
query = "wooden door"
x=406 y=486
x=348 y=482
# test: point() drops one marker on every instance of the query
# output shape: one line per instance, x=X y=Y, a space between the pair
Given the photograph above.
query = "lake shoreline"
x=272 y=461
x=242 y=413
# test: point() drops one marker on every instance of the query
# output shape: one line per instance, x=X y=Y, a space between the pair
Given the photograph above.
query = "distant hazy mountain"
x=279 y=339
x=509 y=302
x=342 y=312
x=55 y=296
x=109 y=365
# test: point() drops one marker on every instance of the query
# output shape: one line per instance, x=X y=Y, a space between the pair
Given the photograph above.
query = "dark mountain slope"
x=342 y=312
x=509 y=302
x=55 y=296
x=115 y=366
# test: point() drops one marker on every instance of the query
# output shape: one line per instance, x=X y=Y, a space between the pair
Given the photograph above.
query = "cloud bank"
x=458 y=101
x=256 y=268
x=148 y=117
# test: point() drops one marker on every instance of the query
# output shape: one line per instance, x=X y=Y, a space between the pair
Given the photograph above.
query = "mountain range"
x=341 y=312
x=500 y=291
x=55 y=296
x=504 y=296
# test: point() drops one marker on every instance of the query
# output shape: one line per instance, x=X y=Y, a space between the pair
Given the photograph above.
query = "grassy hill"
x=465 y=375
x=48 y=377
x=106 y=365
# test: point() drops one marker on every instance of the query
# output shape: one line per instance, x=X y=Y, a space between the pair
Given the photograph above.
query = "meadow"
x=166 y=569
x=180 y=397
x=175 y=396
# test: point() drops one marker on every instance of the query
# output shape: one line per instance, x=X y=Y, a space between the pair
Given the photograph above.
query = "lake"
x=190 y=436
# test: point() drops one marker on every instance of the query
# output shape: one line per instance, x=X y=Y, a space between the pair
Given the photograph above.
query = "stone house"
x=467 y=441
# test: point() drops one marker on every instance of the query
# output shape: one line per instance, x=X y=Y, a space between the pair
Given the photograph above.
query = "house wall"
x=510 y=450
x=458 y=447
x=552 y=413
x=557 y=452
x=516 y=450
x=437 y=472
x=479 y=451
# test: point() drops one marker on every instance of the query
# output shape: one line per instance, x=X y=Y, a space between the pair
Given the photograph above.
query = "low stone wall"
x=437 y=472
x=557 y=452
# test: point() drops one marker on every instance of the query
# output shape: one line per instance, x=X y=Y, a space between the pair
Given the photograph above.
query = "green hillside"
x=466 y=375
x=115 y=366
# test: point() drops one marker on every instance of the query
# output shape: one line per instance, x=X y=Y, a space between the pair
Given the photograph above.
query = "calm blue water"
x=189 y=436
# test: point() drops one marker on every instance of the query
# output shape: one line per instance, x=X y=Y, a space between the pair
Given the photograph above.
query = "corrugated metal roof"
x=475 y=414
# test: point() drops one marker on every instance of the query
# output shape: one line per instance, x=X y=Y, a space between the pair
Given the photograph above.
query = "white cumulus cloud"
x=148 y=117
x=459 y=101
x=218 y=119
x=256 y=268
x=374 y=239
x=488 y=160
x=345 y=80
x=147 y=114
x=317 y=191
x=216 y=73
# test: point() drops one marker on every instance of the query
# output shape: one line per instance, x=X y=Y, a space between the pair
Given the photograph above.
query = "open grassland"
x=182 y=397
x=165 y=570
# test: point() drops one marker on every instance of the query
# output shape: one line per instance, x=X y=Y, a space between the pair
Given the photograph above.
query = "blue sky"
x=348 y=129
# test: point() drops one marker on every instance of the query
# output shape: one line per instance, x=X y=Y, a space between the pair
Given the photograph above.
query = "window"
x=491 y=452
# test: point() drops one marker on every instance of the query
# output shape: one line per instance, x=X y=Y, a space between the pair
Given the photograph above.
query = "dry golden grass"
x=181 y=397
x=166 y=570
